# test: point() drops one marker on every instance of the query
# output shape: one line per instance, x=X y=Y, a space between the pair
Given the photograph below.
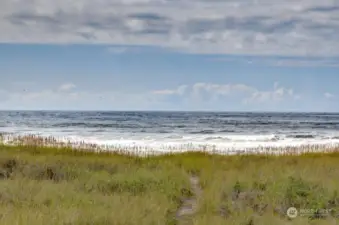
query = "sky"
x=182 y=55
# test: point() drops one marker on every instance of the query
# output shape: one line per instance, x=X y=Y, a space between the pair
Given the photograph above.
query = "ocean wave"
x=174 y=136
x=162 y=130
x=227 y=131
x=203 y=132
x=302 y=136
x=101 y=125
x=216 y=138
x=331 y=137
x=254 y=138
x=151 y=146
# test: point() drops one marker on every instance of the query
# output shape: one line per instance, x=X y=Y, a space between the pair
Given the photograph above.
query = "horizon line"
x=178 y=111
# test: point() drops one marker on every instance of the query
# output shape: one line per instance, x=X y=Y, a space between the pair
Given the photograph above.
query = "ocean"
x=224 y=132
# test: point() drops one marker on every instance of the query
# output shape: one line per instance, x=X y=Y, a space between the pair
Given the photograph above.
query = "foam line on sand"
x=49 y=141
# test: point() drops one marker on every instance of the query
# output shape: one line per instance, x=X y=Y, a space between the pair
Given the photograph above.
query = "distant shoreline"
x=169 y=111
x=52 y=142
x=166 y=132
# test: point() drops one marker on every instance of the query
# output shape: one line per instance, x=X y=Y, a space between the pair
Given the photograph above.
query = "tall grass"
x=42 y=141
x=44 y=183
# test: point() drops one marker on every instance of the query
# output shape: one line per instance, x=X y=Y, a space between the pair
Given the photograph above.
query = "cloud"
x=195 y=96
x=328 y=95
x=219 y=90
x=67 y=87
x=324 y=62
x=207 y=92
x=200 y=92
x=196 y=26
x=65 y=97
x=324 y=9
x=199 y=95
x=278 y=94
x=284 y=61
x=178 y=91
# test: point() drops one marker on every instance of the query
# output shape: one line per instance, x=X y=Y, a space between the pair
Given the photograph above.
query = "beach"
x=170 y=132
x=248 y=170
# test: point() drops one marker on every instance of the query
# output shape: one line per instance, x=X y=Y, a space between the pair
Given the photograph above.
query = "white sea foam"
x=164 y=143
x=154 y=132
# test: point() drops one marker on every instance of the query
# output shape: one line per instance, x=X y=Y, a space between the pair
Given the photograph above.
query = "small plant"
x=238 y=188
x=302 y=194
x=259 y=186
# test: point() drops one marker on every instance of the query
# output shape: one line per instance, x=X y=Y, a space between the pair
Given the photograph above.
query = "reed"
x=44 y=180
x=33 y=140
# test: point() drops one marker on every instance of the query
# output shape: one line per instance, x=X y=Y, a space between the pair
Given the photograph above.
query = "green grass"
x=41 y=185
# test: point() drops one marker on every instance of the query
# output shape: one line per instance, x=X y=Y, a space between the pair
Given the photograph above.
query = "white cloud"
x=277 y=94
x=211 y=92
x=220 y=89
x=207 y=26
x=285 y=61
x=178 y=91
x=67 y=87
x=165 y=92
x=65 y=98
x=196 y=96
x=328 y=95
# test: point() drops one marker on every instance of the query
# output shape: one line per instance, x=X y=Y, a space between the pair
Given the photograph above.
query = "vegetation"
x=48 y=185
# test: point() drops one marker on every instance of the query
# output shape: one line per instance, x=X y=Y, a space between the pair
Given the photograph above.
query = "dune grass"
x=46 y=185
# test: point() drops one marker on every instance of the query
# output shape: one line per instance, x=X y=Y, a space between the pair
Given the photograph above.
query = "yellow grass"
x=59 y=185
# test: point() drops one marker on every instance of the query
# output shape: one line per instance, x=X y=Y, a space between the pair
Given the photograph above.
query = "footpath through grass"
x=40 y=185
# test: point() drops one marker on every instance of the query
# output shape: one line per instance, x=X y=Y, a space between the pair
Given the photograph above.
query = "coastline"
x=154 y=133
x=83 y=145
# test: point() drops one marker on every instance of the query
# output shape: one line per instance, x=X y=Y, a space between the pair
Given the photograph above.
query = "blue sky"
x=169 y=55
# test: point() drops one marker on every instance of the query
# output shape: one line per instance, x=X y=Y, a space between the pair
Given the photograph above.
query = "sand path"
x=190 y=205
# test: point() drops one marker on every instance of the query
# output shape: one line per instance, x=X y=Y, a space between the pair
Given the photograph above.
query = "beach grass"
x=61 y=185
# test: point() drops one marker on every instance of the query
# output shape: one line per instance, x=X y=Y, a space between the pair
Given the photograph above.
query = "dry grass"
x=132 y=149
x=49 y=185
